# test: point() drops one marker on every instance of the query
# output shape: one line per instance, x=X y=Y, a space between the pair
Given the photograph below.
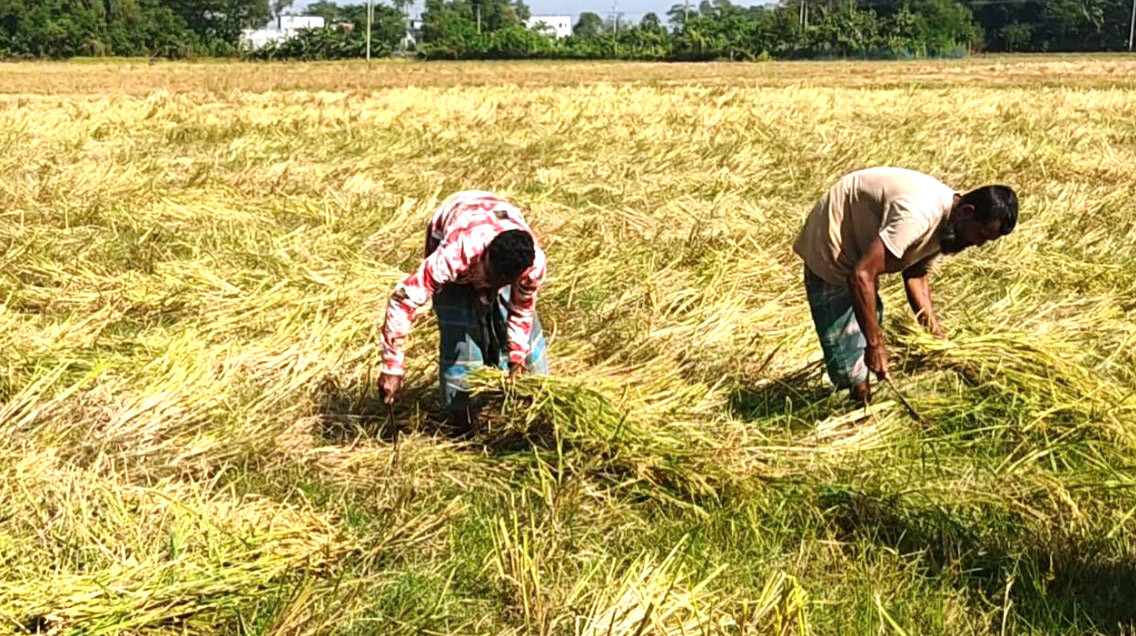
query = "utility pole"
x=479 y=17
x=1132 y=26
x=615 y=14
x=405 y=10
x=370 y=18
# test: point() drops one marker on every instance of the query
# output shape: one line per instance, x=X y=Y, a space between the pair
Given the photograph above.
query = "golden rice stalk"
x=108 y=557
x=583 y=425
x=659 y=597
x=655 y=598
x=1040 y=373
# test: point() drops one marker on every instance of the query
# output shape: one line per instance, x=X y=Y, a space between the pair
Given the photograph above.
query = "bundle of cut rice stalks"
x=84 y=553
x=1043 y=379
x=582 y=429
x=662 y=598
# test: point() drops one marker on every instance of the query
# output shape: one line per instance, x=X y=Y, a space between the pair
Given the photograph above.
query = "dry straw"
x=193 y=258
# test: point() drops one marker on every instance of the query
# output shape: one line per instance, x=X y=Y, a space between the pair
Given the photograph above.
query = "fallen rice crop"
x=195 y=258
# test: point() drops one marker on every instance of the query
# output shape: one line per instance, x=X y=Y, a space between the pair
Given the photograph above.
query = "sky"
x=632 y=10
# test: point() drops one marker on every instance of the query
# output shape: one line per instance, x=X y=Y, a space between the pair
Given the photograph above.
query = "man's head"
x=978 y=216
x=509 y=255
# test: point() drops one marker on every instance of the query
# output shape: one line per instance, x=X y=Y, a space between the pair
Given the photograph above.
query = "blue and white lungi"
x=840 y=337
x=460 y=351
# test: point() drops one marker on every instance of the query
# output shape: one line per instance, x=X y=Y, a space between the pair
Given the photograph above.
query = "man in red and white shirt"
x=482 y=270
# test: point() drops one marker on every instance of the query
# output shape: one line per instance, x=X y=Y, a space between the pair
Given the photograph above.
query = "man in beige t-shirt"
x=886 y=220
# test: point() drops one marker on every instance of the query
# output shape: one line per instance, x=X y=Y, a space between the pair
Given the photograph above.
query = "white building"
x=413 y=33
x=282 y=28
x=558 y=26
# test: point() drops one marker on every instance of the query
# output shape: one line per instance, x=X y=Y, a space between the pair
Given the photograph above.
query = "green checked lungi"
x=840 y=337
x=463 y=340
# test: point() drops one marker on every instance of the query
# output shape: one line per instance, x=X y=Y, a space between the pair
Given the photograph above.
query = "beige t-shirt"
x=903 y=207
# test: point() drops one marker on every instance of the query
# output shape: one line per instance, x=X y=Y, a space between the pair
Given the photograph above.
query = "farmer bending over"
x=482 y=269
x=886 y=220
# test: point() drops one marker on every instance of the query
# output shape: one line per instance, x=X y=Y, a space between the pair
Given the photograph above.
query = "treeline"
x=718 y=30
x=487 y=29
x=166 y=28
x=345 y=35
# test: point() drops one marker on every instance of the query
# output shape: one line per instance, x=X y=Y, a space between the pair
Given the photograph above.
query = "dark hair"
x=994 y=203
x=511 y=253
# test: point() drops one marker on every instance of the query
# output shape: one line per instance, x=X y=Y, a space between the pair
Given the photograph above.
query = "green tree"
x=947 y=26
x=447 y=30
x=329 y=11
x=589 y=24
x=219 y=22
x=1017 y=36
x=65 y=28
x=678 y=14
x=49 y=28
x=651 y=23
x=388 y=25
x=1009 y=26
x=1074 y=24
x=146 y=27
x=498 y=14
x=516 y=42
x=842 y=32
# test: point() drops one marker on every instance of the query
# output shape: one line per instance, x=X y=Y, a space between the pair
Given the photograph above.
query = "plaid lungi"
x=840 y=337
x=463 y=340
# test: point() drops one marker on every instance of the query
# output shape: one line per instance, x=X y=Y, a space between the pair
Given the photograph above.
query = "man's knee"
x=845 y=365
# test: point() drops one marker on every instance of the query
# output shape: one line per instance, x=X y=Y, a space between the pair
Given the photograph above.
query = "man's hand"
x=865 y=299
x=919 y=297
x=388 y=386
x=876 y=358
x=936 y=329
x=515 y=371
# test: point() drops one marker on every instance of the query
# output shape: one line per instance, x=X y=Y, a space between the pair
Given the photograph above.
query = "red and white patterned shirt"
x=463 y=227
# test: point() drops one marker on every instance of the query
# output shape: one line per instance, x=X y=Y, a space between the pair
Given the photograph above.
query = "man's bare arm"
x=918 y=290
x=863 y=284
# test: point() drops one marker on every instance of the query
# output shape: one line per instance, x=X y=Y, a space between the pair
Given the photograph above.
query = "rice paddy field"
x=196 y=257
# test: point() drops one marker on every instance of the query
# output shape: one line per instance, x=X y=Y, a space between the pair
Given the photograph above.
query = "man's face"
x=965 y=231
x=494 y=279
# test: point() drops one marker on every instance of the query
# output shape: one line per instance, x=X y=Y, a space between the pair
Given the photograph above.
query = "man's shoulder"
x=899 y=189
x=897 y=179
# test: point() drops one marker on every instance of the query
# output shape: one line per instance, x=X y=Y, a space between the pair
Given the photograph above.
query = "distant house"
x=282 y=28
x=558 y=26
x=413 y=33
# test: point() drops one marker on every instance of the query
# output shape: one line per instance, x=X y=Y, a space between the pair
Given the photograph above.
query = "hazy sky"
x=632 y=9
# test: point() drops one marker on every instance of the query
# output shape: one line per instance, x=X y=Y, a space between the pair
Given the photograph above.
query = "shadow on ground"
x=1081 y=583
x=798 y=399
x=353 y=409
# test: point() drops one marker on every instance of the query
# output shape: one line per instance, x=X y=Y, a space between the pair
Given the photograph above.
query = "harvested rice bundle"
x=1043 y=377
x=584 y=428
